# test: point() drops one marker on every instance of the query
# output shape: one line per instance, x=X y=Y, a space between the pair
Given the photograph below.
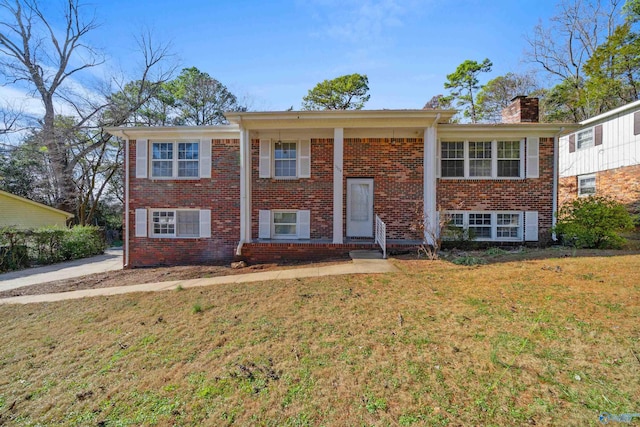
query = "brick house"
x=602 y=157
x=310 y=184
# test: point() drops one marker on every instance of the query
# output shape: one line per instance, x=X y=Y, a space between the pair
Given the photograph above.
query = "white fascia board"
x=339 y=119
x=213 y=132
x=632 y=106
x=464 y=131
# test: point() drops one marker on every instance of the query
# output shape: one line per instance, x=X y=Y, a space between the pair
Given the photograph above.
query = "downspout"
x=126 y=201
x=556 y=178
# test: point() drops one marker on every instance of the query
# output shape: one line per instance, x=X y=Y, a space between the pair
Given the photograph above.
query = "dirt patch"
x=138 y=276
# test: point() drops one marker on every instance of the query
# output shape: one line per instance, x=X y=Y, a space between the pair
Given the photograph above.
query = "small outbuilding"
x=16 y=211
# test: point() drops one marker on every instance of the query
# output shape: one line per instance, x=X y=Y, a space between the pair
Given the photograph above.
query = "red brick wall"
x=221 y=194
x=518 y=195
x=622 y=184
x=314 y=194
x=397 y=170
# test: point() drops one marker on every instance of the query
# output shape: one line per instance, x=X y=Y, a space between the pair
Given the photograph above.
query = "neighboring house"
x=16 y=211
x=310 y=184
x=602 y=157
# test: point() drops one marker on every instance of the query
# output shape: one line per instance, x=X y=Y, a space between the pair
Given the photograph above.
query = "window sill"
x=451 y=178
x=175 y=237
x=181 y=178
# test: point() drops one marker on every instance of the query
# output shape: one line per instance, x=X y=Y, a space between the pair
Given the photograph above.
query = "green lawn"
x=550 y=341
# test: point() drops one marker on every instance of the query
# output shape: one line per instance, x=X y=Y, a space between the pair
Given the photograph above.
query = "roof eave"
x=339 y=119
x=40 y=205
x=221 y=131
x=454 y=130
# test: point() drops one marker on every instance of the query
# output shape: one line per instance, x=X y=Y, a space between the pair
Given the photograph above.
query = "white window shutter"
x=141 y=223
x=205 y=223
x=304 y=159
x=438 y=162
x=205 y=158
x=531 y=226
x=304 y=224
x=264 y=224
x=265 y=158
x=533 y=157
x=141 y=158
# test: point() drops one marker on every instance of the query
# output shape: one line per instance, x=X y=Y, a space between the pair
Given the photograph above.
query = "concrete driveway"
x=109 y=261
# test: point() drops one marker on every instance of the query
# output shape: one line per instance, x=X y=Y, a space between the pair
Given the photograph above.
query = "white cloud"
x=357 y=22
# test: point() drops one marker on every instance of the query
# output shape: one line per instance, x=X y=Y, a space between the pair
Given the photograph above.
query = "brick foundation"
x=310 y=251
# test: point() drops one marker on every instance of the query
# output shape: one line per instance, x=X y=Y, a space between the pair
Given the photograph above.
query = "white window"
x=585 y=139
x=509 y=159
x=489 y=226
x=175 y=223
x=452 y=153
x=285 y=225
x=285 y=159
x=175 y=159
x=480 y=159
x=508 y=226
x=480 y=225
x=587 y=185
x=483 y=159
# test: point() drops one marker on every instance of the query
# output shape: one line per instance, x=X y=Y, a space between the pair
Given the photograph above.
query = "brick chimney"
x=521 y=110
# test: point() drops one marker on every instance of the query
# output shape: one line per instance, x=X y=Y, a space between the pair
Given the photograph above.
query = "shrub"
x=47 y=245
x=593 y=222
x=82 y=242
x=47 y=242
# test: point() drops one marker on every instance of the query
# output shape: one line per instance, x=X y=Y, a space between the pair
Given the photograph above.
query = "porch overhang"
x=332 y=119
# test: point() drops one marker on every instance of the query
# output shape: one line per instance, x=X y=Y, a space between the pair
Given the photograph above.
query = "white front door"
x=359 y=207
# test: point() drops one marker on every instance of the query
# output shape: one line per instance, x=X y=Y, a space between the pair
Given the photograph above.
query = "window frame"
x=152 y=233
x=275 y=235
x=296 y=159
x=175 y=161
x=494 y=159
x=592 y=140
x=452 y=159
x=493 y=226
x=585 y=177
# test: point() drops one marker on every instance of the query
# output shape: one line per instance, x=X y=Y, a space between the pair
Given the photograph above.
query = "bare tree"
x=50 y=62
x=563 y=47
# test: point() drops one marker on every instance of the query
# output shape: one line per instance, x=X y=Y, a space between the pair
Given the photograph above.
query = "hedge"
x=48 y=245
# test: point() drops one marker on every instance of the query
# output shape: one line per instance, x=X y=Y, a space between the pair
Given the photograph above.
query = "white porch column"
x=338 y=192
x=429 y=195
x=245 y=189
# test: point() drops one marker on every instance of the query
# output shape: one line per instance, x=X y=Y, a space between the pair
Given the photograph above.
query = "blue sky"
x=270 y=53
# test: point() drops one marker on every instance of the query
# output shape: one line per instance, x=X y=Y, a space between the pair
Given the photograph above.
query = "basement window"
x=587 y=185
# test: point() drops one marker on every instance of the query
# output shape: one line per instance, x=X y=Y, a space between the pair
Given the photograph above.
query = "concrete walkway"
x=356 y=266
x=109 y=261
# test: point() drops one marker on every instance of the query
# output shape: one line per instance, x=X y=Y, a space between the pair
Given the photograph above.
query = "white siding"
x=619 y=148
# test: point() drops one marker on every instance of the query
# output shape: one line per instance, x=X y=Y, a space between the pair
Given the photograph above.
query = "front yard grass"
x=550 y=341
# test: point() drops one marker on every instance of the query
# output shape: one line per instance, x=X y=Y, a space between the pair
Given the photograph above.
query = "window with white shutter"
x=285 y=159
